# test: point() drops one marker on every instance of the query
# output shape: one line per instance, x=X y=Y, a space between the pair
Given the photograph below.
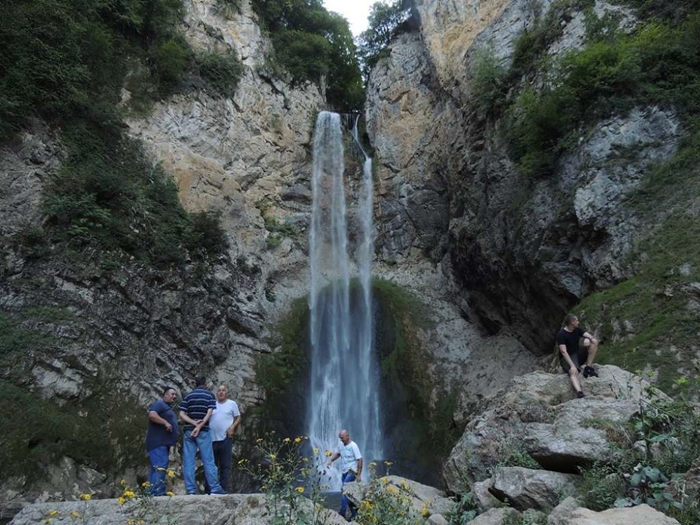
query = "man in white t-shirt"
x=350 y=466
x=223 y=424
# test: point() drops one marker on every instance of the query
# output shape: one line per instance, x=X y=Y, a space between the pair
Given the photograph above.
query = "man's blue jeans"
x=189 y=450
x=344 y=501
x=156 y=473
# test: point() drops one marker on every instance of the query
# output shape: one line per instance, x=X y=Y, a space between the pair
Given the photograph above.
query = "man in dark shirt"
x=573 y=356
x=195 y=410
x=162 y=434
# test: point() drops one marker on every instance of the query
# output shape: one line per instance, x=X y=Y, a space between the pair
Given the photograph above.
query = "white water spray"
x=344 y=375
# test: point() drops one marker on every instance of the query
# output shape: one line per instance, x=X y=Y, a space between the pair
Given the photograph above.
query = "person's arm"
x=158 y=420
x=230 y=431
x=359 y=469
x=567 y=358
x=588 y=336
x=187 y=419
x=333 y=458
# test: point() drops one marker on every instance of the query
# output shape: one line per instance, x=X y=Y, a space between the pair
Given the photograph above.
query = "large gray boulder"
x=425 y=500
x=568 y=513
x=540 y=416
x=526 y=489
x=234 y=509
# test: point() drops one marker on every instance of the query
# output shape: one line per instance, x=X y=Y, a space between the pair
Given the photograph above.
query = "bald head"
x=344 y=437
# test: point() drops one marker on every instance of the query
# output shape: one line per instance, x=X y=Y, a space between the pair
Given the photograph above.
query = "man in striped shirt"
x=195 y=411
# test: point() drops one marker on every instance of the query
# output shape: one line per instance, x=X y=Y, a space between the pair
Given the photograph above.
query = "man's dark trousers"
x=222 y=457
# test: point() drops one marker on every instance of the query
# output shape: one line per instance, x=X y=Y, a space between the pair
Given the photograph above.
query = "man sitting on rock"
x=573 y=354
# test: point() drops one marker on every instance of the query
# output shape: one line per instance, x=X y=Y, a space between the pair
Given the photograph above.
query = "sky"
x=356 y=11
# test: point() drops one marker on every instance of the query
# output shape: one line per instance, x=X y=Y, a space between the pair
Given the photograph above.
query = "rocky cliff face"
x=523 y=251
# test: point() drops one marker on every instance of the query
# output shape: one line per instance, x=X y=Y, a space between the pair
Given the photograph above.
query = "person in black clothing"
x=573 y=354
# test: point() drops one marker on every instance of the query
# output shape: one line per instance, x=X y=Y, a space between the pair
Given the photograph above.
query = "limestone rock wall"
x=520 y=251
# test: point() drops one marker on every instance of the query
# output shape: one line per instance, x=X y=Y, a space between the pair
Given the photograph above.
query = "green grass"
x=655 y=302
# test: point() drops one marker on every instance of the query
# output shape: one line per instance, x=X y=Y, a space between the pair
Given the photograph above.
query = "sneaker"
x=580 y=394
x=589 y=371
x=222 y=493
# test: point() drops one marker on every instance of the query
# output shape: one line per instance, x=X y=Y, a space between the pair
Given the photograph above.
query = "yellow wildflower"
x=53 y=513
x=328 y=453
x=259 y=440
x=300 y=490
x=171 y=474
x=74 y=514
x=85 y=497
x=388 y=463
x=121 y=500
x=146 y=484
x=122 y=482
x=297 y=440
x=287 y=440
x=170 y=493
x=316 y=450
x=128 y=494
x=272 y=456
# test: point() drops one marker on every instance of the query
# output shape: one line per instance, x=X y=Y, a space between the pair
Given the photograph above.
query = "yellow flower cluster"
x=85 y=497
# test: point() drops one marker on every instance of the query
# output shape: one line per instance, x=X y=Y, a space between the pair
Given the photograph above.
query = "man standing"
x=224 y=422
x=351 y=467
x=573 y=355
x=195 y=410
x=162 y=434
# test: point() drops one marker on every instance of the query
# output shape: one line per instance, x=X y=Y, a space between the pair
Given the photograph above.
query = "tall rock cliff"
x=523 y=250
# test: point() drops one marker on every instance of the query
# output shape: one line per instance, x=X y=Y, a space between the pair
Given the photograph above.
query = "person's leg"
x=159 y=464
x=223 y=456
x=573 y=372
x=211 y=473
x=592 y=347
x=189 y=449
x=344 y=501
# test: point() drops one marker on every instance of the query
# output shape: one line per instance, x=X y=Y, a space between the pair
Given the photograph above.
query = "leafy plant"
x=388 y=504
x=288 y=479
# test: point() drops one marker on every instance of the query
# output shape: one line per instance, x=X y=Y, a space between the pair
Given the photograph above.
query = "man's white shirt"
x=349 y=454
x=222 y=419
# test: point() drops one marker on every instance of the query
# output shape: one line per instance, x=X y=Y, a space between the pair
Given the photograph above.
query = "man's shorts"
x=579 y=358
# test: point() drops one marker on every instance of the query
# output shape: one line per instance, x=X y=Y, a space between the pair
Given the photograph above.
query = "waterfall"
x=344 y=391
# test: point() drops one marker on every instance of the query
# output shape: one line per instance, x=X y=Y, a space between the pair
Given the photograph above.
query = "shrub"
x=107 y=193
x=489 y=83
x=222 y=72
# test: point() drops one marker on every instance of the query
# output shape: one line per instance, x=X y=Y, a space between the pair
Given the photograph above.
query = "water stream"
x=344 y=388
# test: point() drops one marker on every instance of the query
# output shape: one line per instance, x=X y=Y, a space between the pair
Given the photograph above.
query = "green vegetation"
x=108 y=194
x=404 y=364
x=651 y=473
x=276 y=372
x=310 y=42
x=614 y=72
x=385 y=22
x=221 y=72
x=46 y=432
x=654 y=303
x=66 y=61
x=289 y=479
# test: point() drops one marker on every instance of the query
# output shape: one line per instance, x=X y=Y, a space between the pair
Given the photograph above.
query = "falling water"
x=344 y=376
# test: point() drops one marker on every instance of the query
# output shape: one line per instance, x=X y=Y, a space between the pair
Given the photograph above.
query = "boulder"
x=526 y=489
x=483 y=497
x=540 y=416
x=495 y=517
x=569 y=514
x=426 y=500
x=234 y=509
